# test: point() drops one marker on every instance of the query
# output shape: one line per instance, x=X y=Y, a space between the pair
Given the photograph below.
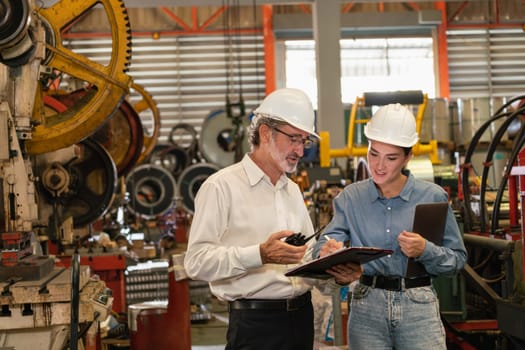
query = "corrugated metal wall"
x=189 y=76
x=486 y=62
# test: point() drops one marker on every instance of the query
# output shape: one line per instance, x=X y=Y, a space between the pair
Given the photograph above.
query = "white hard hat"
x=393 y=124
x=291 y=106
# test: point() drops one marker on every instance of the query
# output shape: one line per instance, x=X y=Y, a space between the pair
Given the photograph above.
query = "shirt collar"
x=407 y=190
x=255 y=174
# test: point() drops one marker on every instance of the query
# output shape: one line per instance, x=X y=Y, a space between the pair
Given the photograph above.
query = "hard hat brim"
x=295 y=125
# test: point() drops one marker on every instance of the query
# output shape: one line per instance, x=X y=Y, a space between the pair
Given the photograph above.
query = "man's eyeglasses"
x=296 y=139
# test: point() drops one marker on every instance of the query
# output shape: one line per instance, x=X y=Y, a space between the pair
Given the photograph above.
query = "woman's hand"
x=343 y=273
x=346 y=273
x=331 y=246
x=411 y=244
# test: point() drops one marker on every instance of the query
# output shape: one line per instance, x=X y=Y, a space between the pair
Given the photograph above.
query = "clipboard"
x=316 y=268
x=430 y=220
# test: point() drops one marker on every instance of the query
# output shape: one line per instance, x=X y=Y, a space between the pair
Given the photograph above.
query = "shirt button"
x=387 y=230
x=389 y=208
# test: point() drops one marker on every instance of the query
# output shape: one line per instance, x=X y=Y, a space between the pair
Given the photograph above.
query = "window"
x=367 y=65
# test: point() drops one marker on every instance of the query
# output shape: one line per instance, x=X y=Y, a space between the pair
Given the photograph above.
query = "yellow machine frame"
x=351 y=150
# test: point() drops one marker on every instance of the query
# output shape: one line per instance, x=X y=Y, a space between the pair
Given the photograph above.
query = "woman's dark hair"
x=407 y=150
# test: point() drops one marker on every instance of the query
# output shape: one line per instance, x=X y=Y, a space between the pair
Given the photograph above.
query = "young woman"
x=389 y=310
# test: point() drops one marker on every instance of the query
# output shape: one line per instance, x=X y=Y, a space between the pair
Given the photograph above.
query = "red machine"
x=169 y=327
x=110 y=268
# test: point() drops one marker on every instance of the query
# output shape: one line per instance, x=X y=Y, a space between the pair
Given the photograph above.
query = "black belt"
x=271 y=304
x=394 y=283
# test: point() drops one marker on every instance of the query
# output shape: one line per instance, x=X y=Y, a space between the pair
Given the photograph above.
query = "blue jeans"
x=406 y=320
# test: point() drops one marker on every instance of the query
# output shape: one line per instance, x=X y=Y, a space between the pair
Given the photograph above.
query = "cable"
x=257 y=71
x=514 y=154
x=468 y=155
x=467 y=165
x=488 y=162
x=237 y=31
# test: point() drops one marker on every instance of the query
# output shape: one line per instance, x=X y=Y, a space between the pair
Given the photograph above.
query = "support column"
x=327 y=33
x=326 y=17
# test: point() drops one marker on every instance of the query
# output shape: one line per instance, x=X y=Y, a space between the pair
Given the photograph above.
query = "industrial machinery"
x=152 y=190
x=490 y=296
x=356 y=143
x=64 y=119
x=56 y=177
x=149 y=321
x=218 y=141
x=483 y=307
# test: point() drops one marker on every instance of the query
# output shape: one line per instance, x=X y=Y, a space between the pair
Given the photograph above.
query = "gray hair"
x=254 y=138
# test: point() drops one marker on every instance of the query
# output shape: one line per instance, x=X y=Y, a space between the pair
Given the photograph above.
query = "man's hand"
x=411 y=244
x=276 y=251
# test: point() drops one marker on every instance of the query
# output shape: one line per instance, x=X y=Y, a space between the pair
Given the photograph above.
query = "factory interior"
x=114 y=112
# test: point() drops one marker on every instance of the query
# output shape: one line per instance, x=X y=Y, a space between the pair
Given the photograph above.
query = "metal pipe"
x=338 y=320
x=521 y=182
x=499 y=245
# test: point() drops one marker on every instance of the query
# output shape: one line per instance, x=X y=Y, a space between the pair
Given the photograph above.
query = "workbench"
x=37 y=314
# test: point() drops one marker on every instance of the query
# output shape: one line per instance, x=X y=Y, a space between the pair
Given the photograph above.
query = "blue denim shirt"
x=366 y=219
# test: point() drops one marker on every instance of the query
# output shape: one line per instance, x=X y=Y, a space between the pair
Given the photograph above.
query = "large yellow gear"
x=110 y=82
x=147 y=104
